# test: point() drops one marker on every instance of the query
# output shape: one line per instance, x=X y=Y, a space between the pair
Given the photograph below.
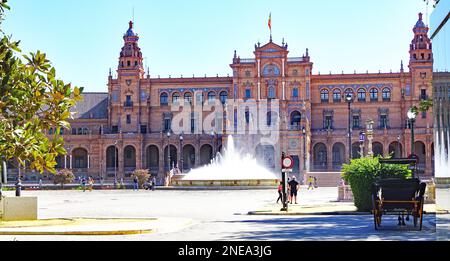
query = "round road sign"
x=287 y=162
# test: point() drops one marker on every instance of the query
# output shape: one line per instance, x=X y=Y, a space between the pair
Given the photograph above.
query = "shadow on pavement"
x=334 y=228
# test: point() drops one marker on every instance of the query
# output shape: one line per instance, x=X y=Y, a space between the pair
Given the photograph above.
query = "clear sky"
x=83 y=38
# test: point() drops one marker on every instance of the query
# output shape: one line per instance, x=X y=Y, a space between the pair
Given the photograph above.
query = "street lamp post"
x=115 y=164
x=362 y=138
x=304 y=149
x=369 y=127
x=412 y=118
x=181 y=153
x=398 y=146
x=349 y=99
x=168 y=149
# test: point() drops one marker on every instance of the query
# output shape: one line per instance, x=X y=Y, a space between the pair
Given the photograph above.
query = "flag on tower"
x=270 y=21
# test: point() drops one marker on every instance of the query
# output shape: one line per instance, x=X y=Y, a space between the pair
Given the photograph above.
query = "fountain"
x=442 y=157
x=233 y=168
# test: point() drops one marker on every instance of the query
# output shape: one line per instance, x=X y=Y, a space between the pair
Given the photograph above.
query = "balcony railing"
x=128 y=104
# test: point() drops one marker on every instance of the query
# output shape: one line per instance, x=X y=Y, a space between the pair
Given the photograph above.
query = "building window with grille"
x=248 y=94
x=361 y=95
x=356 y=123
x=386 y=94
x=175 y=98
x=373 y=95
x=295 y=93
x=324 y=96
x=128 y=119
x=423 y=94
x=188 y=98
x=383 y=121
x=308 y=91
x=336 y=96
x=199 y=98
x=164 y=99
x=211 y=96
x=144 y=129
x=328 y=123
x=128 y=102
x=223 y=97
x=271 y=94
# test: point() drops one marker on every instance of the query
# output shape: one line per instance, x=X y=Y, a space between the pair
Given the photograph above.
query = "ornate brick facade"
x=135 y=114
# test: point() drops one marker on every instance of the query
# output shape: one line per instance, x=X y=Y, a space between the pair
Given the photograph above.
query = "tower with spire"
x=421 y=61
x=128 y=90
x=131 y=60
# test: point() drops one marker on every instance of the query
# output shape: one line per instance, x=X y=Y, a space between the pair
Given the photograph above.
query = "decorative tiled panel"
x=183 y=89
x=355 y=87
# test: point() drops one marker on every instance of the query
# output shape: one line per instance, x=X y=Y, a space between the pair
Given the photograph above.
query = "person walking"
x=153 y=183
x=315 y=183
x=288 y=190
x=135 y=183
x=310 y=182
x=40 y=183
x=83 y=184
x=294 y=186
x=280 y=192
x=91 y=183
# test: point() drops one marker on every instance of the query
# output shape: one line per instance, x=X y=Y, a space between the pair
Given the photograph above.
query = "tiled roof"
x=93 y=106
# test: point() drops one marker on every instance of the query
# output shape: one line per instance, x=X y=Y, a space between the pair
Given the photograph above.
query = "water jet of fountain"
x=233 y=164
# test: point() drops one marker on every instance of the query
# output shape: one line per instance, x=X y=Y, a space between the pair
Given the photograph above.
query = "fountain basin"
x=226 y=183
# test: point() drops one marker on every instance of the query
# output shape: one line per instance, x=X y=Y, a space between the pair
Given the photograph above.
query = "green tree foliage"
x=142 y=175
x=64 y=176
x=32 y=100
x=362 y=173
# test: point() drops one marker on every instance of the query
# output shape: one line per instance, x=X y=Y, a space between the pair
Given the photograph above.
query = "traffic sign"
x=287 y=162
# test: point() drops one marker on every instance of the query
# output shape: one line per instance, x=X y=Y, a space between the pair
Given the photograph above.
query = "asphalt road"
x=218 y=215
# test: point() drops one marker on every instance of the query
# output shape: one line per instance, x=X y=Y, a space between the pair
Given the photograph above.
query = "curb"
x=76 y=233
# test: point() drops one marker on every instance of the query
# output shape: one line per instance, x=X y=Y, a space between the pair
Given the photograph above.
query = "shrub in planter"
x=361 y=173
x=142 y=175
x=63 y=176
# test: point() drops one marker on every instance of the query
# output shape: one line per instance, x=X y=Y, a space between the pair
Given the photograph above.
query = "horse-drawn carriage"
x=398 y=197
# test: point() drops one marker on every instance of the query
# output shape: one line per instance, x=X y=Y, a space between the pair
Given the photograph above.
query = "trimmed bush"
x=142 y=175
x=361 y=173
x=63 y=176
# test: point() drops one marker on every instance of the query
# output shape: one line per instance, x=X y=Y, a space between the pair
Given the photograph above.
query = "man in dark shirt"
x=294 y=186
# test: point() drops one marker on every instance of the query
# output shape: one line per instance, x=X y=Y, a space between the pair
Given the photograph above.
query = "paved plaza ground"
x=218 y=215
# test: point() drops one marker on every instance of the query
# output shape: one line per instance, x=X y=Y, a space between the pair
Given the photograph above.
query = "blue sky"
x=83 y=38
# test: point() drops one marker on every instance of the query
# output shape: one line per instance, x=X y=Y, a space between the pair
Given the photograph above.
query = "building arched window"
x=386 y=94
x=337 y=95
x=373 y=94
x=211 y=96
x=175 y=97
x=223 y=97
x=324 y=95
x=163 y=99
x=361 y=95
x=188 y=98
